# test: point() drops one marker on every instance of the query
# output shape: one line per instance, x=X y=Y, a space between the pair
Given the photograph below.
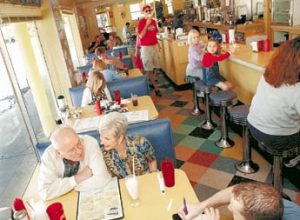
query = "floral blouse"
x=138 y=148
x=101 y=96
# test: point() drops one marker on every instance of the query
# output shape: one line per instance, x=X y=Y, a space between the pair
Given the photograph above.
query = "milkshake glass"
x=132 y=187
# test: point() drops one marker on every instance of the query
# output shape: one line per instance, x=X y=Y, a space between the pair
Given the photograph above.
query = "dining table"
x=153 y=203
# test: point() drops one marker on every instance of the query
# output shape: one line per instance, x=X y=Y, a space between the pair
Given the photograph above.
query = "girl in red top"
x=211 y=72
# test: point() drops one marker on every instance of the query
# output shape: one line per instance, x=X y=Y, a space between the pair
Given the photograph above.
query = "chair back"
x=117 y=50
x=136 y=85
x=76 y=94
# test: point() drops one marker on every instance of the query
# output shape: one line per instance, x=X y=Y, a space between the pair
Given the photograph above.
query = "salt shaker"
x=20 y=215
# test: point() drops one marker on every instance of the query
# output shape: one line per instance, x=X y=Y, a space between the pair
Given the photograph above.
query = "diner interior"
x=45 y=56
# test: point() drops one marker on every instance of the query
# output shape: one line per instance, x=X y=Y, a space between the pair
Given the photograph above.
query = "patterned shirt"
x=101 y=96
x=137 y=147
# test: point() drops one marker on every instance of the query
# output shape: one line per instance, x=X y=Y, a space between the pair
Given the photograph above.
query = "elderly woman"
x=119 y=149
x=274 y=116
x=95 y=89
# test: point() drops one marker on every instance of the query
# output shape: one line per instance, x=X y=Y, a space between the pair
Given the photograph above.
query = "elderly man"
x=71 y=162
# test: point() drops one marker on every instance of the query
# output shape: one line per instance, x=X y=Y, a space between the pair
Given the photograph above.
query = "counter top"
x=243 y=54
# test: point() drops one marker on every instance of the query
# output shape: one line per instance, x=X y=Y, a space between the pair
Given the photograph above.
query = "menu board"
x=104 y=204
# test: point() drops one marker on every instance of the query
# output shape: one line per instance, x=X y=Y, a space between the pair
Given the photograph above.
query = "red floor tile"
x=203 y=158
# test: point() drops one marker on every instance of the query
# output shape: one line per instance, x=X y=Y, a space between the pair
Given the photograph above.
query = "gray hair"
x=114 y=122
x=60 y=133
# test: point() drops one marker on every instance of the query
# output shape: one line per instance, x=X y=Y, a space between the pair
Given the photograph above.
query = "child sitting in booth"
x=211 y=72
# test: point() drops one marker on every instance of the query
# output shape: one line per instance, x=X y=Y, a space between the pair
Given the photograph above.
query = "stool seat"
x=239 y=114
x=222 y=98
x=200 y=86
x=281 y=153
x=277 y=162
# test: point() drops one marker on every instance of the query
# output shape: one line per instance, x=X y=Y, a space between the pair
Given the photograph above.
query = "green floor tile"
x=217 y=134
x=184 y=129
x=210 y=146
x=178 y=137
x=192 y=142
x=192 y=120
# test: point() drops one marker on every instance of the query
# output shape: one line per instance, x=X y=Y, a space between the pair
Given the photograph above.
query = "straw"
x=133 y=171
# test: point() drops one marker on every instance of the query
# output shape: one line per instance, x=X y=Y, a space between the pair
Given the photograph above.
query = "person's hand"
x=148 y=21
x=193 y=211
x=211 y=214
x=83 y=175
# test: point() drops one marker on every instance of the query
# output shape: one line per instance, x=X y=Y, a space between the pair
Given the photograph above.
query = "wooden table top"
x=135 y=72
x=144 y=103
x=153 y=203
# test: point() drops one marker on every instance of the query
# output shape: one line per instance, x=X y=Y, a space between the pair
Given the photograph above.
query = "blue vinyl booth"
x=85 y=68
x=158 y=132
x=137 y=85
x=128 y=62
x=89 y=57
x=116 y=50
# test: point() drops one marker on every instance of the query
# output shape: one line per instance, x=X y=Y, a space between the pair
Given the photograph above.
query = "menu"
x=104 y=204
x=86 y=124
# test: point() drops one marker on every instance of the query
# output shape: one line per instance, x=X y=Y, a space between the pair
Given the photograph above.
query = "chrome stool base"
x=247 y=167
x=224 y=143
x=208 y=125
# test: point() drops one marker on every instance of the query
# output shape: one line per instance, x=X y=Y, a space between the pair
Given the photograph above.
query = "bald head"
x=67 y=144
x=61 y=136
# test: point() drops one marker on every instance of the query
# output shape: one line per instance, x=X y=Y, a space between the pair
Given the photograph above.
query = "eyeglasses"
x=148 y=11
x=75 y=148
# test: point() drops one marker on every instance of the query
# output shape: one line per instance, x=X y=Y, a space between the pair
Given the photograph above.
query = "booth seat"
x=158 y=132
x=137 y=85
x=85 y=68
x=89 y=57
x=116 y=50
x=128 y=62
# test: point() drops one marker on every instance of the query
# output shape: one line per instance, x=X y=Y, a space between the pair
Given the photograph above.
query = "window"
x=135 y=11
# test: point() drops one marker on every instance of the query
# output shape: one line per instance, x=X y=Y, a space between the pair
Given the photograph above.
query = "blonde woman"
x=109 y=75
x=95 y=89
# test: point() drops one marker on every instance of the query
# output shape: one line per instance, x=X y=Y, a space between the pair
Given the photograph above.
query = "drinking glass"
x=55 y=211
x=167 y=169
x=117 y=96
x=132 y=187
x=134 y=99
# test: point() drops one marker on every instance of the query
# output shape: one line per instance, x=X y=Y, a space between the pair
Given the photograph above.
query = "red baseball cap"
x=146 y=7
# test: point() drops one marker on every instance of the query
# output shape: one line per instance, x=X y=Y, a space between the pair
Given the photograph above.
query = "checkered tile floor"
x=208 y=167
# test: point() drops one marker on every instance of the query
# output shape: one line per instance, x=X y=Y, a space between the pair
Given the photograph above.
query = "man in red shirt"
x=147 y=31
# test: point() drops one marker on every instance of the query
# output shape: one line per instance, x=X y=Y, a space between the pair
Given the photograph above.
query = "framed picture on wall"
x=103 y=19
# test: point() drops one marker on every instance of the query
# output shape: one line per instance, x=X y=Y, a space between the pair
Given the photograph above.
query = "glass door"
x=17 y=156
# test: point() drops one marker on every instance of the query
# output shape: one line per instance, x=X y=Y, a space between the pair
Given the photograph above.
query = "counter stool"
x=223 y=99
x=238 y=115
x=201 y=88
x=277 y=162
x=197 y=84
